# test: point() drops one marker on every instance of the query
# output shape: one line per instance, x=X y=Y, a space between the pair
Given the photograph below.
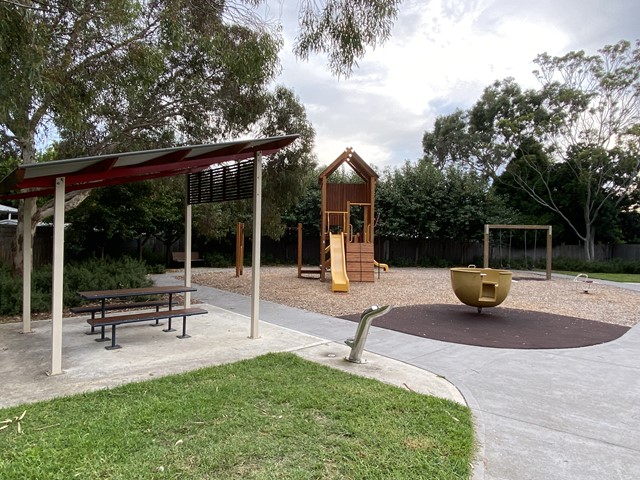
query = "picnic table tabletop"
x=134 y=292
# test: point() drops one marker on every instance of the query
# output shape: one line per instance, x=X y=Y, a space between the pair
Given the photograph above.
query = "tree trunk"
x=589 y=243
x=141 y=243
x=16 y=247
x=27 y=154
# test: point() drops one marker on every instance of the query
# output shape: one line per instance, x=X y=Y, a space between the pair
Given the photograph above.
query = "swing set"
x=488 y=228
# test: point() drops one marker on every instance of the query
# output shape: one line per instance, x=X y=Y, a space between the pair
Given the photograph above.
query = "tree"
x=422 y=201
x=307 y=209
x=343 y=29
x=593 y=128
x=468 y=204
x=109 y=214
x=586 y=116
x=285 y=173
x=487 y=136
x=111 y=76
x=158 y=210
x=452 y=143
x=139 y=211
x=125 y=74
x=408 y=199
x=531 y=212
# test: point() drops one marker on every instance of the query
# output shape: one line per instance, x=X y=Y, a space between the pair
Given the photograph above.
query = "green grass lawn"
x=273 y=417
x=613 y=277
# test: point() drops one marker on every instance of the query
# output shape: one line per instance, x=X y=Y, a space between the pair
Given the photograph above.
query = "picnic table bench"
x=116 y=320
x=103 y=321
x=93 y=309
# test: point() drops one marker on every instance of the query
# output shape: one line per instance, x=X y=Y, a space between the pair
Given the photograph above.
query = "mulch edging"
x=496 y=327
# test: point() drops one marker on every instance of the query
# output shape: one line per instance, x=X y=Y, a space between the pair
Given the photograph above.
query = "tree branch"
x=71 y=199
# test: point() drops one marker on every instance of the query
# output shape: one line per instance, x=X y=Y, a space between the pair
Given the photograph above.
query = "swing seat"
x=480 y=287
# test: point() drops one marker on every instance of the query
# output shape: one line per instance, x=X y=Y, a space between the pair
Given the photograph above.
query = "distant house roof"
x=13 y=222
x=38 y=179
x=7 y=209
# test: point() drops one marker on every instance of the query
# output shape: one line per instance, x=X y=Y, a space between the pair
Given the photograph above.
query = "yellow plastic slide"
x=339 y=279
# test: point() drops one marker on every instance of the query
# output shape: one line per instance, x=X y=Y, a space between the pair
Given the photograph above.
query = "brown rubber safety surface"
x=496 y=327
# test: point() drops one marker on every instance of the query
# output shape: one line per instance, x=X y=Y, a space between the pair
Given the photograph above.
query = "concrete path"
x=540 y=414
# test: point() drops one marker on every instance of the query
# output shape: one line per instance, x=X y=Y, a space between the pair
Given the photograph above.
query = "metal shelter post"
x=58 y=276
x=255 y=255
x=27 y=263
x=188 y=223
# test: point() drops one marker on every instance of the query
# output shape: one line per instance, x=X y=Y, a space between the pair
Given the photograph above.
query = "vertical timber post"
x=299 y=250
x=549 y=252
x=239 y=249
x=323 y=227
x=485 y=254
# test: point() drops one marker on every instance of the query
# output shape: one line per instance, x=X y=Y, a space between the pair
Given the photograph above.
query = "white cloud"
x=441 y=56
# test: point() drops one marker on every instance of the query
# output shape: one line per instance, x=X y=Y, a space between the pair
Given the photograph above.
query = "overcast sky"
x=441 y=56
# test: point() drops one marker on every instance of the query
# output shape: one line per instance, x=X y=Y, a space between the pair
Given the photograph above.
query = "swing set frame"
x=488 y=228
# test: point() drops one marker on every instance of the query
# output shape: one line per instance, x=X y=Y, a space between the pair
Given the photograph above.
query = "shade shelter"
x=58 y=178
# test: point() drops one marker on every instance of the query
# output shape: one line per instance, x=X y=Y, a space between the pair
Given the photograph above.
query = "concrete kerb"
x=217 y=338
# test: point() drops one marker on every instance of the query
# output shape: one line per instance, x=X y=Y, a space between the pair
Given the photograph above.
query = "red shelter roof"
x=38 y=179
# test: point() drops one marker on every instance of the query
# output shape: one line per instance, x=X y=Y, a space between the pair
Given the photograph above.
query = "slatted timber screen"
x=221 y=183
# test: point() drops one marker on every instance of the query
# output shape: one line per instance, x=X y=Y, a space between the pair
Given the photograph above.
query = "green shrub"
x=218 y=260
x=615 y=265
x=155 y=261
x=10 y=293
x=105 y=274
x=89 y=275
x=400 y=262
x=157 y=268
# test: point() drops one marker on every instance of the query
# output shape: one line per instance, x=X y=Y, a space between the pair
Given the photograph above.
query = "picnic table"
x=103 y=320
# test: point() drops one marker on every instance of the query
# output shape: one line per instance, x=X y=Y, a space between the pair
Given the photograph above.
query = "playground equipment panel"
x=347 y=216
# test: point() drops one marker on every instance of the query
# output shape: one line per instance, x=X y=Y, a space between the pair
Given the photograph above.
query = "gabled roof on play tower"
x=355 y=161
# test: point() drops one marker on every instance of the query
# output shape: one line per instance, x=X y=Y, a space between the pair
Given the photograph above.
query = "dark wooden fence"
x=398 y=252
x=42 y=245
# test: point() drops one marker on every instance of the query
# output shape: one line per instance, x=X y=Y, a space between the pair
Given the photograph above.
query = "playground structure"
x=488 y=287
x=488 y=228
x=583 y=283
x=480 y=287
x=347 y=221
x=339 y=278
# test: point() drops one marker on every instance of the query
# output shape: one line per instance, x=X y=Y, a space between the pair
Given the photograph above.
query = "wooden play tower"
x=348 y=209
